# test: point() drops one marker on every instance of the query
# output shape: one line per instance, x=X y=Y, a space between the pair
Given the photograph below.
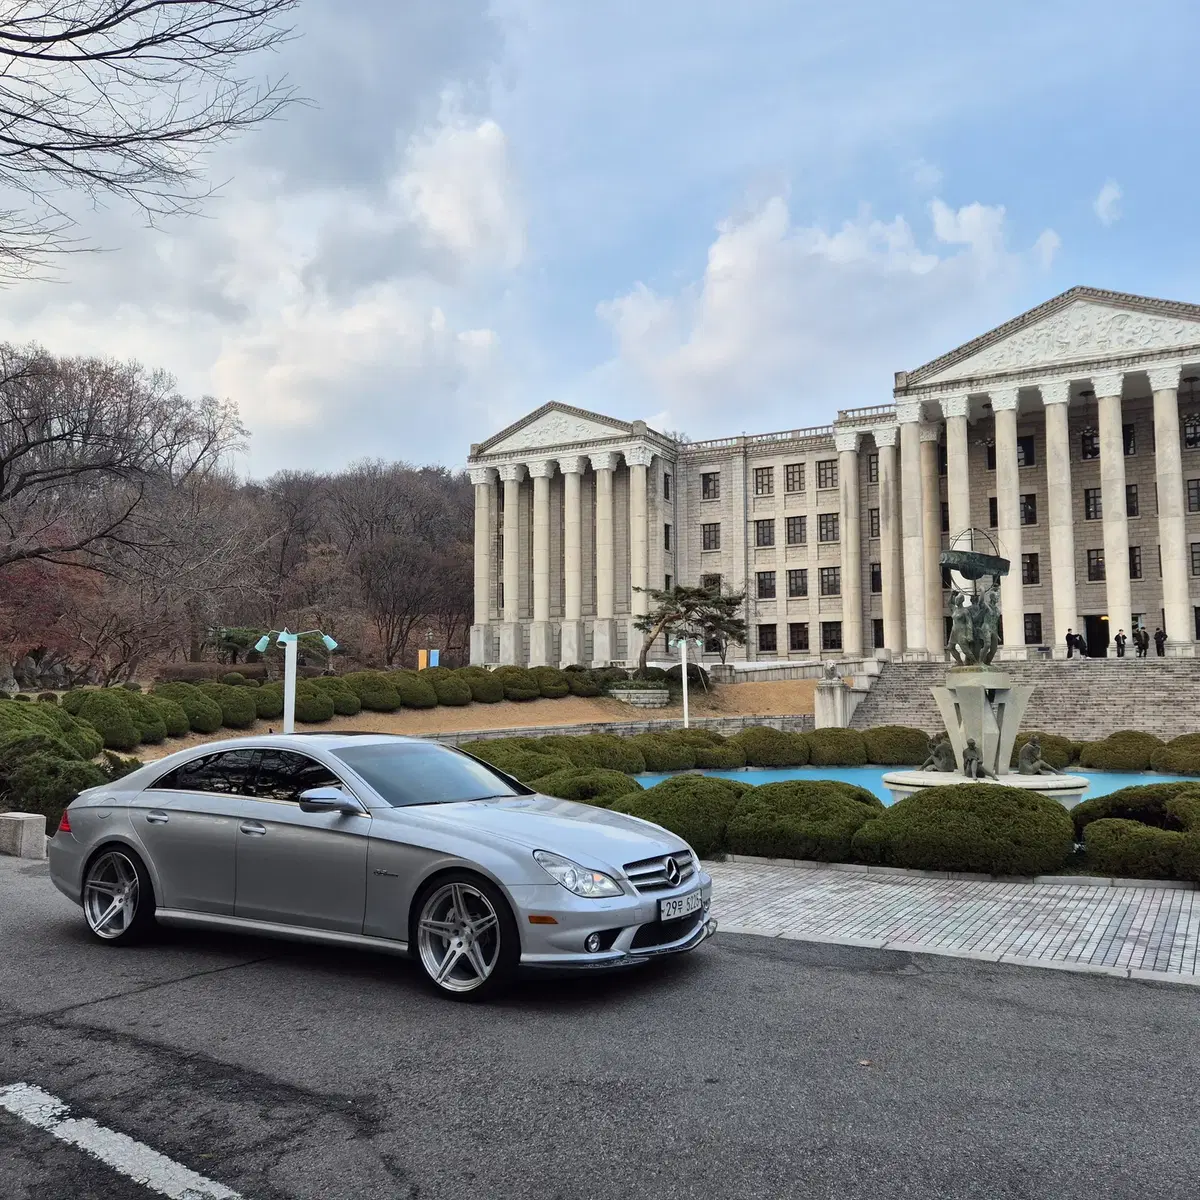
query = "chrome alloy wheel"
x=110 y=895
x=458 y=936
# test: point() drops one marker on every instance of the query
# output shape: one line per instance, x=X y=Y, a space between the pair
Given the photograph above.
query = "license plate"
x=679 y=906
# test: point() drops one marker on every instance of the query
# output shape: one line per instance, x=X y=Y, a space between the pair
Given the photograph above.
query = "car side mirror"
x=329 y=799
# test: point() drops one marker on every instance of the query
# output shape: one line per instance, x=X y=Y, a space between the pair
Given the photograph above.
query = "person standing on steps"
x=1141 y=639
x=1160 y=643
x=1120 y=640
x=1070 y=643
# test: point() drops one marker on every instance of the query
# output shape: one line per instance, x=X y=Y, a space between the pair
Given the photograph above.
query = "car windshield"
x=405 y=773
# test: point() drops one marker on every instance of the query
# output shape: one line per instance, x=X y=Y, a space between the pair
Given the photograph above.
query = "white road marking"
x=122 y=1153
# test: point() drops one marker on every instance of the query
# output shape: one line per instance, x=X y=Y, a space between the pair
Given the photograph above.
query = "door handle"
x=253 y=827
x=156 y=818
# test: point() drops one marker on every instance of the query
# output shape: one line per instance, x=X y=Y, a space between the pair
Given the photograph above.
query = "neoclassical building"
x=1071 y=434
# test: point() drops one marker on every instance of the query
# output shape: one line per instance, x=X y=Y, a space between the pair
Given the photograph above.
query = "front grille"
x=650 y=874
x=663 y=933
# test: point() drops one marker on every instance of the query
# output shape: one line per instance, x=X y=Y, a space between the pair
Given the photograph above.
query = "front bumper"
x=616 y=959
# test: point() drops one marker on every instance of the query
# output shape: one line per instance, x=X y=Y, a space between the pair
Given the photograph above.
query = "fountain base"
x=1066 y=789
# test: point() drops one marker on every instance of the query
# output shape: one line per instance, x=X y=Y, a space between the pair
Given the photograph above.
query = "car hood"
x=589 y=835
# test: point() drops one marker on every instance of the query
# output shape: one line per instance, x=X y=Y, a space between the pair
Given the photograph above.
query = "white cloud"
x=1107 y=203
x=790 y=322
x=926 y=176
x=1046 y=247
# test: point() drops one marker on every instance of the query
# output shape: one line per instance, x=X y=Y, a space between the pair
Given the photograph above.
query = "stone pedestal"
x=510 y=644
x=541 y=644
x=23 y=835
x=481 y=644
x=982 y=704
x=1066 y=789
x=1181 y=650
x=834 y=704
x=604 y=641
x=571 y=644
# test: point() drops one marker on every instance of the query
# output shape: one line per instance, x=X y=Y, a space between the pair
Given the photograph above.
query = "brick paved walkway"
x=1143 y=933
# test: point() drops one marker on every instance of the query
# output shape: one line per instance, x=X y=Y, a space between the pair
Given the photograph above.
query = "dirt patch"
x=783 y=698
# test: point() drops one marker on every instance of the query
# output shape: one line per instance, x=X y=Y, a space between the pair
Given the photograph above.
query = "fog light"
x=592 y=943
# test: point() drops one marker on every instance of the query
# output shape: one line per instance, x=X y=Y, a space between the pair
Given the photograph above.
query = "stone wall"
x=723 y=725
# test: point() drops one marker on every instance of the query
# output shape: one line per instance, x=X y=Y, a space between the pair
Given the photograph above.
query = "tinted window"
x=283 y=775
x=230 y=773
x=407 y=773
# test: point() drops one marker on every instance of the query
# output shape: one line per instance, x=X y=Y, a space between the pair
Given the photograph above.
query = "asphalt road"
x=753 y=1068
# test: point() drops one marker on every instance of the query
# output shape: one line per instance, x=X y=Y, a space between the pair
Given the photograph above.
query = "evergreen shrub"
x=896 y=745
x=375 y=690
x=1126 y=750
x=586 y=785
x=690 y=806
x=765 y=746
x=485 y=687
x=203 y=713
x=413 y=691
x=518 y=683
x=837 y=748
x=45 y=783
x=238 y=710
x=345 y=699
x=47 y=697
x=1180 y=756
x=109 y=714
x=172 y=715
x=663 y=754
x=268 y=702
x=807 y=819
x=552 y=682
x=313 y=705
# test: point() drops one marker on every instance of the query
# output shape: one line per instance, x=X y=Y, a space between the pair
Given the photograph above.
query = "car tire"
x=464 y=937
x=118 y=897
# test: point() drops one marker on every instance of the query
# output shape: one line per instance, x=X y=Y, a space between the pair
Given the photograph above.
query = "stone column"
x=638 y=458
x=571 y=641
x=1055 y=396
x=1112 y=499
x=481 y=633
x=541 y=638
x=889 y=540
x=931 y=533
x=908 y=414
x=604 y=641
x=1008 y=510
x=510 y=630
x=1172 y=536
x=851 y=522
x=958 y=472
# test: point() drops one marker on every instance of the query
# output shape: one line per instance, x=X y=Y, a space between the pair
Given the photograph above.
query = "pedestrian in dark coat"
x=1142 y=638
x=1070 y=642
x=1120 y=640
x=1160 y=643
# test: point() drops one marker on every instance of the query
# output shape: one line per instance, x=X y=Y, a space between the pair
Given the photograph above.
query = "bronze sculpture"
x=973 y=764
x=941 y=755
x=1030 y=761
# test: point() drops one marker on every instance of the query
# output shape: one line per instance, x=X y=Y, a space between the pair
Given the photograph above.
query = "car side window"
x=229 y=773
x=284 y=774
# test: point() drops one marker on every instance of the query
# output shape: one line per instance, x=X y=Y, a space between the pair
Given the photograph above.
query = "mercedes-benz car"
x=382 y=842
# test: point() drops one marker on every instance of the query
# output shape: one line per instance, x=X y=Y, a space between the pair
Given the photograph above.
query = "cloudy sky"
x=715 y=216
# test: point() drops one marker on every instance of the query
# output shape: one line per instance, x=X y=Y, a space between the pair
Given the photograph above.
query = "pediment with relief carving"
x=555 y=425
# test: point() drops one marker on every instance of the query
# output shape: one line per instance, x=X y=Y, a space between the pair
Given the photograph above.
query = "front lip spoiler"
x=624 y=958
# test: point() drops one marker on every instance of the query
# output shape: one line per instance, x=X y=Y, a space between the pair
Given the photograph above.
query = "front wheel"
x=465 y=937
x=118 y=898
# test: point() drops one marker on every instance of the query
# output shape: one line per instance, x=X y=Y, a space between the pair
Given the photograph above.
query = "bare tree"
x=120 y=97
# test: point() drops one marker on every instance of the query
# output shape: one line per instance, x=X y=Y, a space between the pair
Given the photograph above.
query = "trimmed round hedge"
x=78 y=734
x=110 y=715
x=451 y=690
x=18 y=745
x=765 y=746
x=345 y=699
x=485 y=687
x=375 y=690
x=690 y=806
x=1126 y=750
x=238 y=710
x=837 y=748
x=552 y=683
x=663 y=754
x=896 y=745
x=979 y=827
x=513 y=757
x=45 y=783
x=1180 y=756
x=807 y=819
x=313 y=704
x=518 y=683
x=586 y=785
x=268 y=702
x=1148 y=803
x=583 y=683
x=203 y=712
x=414 y=692
x=1166 y=848
x=174 y=719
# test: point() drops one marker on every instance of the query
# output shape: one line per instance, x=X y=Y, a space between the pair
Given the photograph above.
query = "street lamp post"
x=291 y=644
x=682 y=643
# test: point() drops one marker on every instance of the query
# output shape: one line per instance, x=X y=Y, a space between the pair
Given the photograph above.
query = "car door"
x=188 y=822
x=298 y=868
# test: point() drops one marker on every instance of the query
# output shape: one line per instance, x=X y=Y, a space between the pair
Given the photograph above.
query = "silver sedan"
x=383 y=842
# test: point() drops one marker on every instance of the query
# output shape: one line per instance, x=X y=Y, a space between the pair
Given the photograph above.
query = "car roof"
x=325 y=740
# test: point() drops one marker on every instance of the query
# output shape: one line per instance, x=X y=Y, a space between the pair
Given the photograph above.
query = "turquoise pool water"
x=1099 y=782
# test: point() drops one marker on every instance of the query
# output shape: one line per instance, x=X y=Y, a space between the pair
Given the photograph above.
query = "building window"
x=947 y=582
x=666 y=486
x=1033 y=629
x=500 y=595
x=798 y=635
x=1096 y=565
x=1191 y=432
x=831 y=635
x=1131 y=500
x=1129 y=436
x=797 y=580
x=793 y=477
x=877 y=631
x=876 y=578
x=1135 y=562
x=991 y=456
x=1093 y=510
x=767 y=636
x=873 y=519
x=873 y=467
x=827 y=527
x=710 y=485
x=1026 y=454
x=764 y=532
x=1196 y=558
x=666 y=537
x=993 y=513
x=1089 y=445
x=764 y=481
x=1030 y=570
x=766 y=585
x=831 y=581
x=667 y=583
x=796 y=530
x=943 y=460
x=945 y=517
x=710 y=536
x=827 y=473
x=1158 y=551
x=1029 y=509
x=1193 y=495
x=710 y=583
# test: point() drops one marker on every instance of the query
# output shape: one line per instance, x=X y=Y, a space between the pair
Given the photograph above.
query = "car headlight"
x=592 y=885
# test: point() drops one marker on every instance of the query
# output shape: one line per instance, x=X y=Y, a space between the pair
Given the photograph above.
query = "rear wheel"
x=118 y=898
x=465 y=938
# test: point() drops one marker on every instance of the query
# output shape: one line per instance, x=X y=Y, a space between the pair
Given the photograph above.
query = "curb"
x=1009 y=960
x=1167 y=885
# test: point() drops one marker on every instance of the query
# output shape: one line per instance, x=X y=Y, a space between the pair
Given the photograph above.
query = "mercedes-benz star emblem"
x=671 y=870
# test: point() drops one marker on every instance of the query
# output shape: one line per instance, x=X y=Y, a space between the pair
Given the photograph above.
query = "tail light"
x=64 y=823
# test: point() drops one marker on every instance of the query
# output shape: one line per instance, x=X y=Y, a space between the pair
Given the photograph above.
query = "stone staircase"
x=1084 y=699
